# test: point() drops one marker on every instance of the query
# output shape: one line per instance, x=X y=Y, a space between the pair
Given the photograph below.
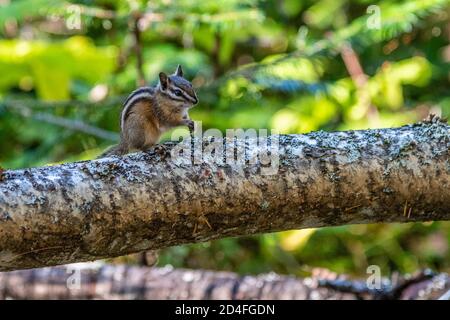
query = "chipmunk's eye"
x=177 y=92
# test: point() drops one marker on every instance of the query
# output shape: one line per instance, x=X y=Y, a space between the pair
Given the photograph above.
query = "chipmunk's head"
x=175 y=89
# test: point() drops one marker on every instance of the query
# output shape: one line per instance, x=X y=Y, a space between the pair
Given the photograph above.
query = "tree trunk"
x=115 y=206
x=87 y=281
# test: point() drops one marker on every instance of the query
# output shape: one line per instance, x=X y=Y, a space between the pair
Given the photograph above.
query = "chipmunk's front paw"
x=160 y=149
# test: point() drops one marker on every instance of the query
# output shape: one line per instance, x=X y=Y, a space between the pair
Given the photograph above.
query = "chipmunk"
x=148 y=112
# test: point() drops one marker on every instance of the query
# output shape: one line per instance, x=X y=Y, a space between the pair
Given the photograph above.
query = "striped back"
x=144 y=93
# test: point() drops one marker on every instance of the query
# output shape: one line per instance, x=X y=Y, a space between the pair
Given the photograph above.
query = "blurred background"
x=295 y=66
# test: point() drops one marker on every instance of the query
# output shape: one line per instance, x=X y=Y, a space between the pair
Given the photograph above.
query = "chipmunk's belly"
x=152 y=136
x=151 y=140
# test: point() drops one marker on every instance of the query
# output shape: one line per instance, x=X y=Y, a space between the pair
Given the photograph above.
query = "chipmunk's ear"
x=179 y=71
x=163 y=80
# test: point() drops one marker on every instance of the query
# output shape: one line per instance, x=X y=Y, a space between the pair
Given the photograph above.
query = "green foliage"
x=19 y=10
x=255 y=64
x=26 y=64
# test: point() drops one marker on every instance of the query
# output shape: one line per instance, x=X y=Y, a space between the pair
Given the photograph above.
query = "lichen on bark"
x=114 y=206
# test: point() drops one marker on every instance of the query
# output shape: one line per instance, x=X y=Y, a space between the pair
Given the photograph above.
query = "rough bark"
x=85 y=281
x=115 y=206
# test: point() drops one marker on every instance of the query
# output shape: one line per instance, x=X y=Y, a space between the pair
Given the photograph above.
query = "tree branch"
x=39 y=104
x=97 y=281
x=71 y=124
x=115 y=206
x=136 y=32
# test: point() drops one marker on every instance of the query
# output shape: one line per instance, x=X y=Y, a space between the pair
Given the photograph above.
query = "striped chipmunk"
x=148 y=112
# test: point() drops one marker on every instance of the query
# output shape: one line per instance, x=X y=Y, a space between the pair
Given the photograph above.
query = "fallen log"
x=115 y=206
x=98 y=281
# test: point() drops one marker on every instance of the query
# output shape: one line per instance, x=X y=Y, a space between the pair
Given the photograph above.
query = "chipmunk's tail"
x=116 y=150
